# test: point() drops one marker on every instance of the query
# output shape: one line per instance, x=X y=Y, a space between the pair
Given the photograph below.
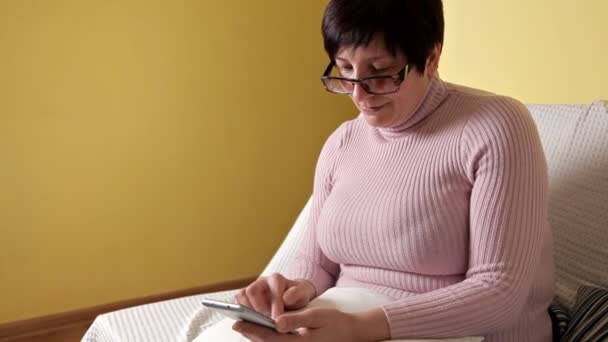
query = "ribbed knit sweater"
x=446 y=213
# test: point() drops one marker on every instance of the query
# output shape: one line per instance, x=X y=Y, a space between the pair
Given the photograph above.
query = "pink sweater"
x=446 y=213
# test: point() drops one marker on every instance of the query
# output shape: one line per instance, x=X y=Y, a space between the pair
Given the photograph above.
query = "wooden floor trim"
x=43 y=325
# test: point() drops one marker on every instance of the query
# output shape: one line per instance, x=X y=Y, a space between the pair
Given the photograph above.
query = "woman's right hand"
x=273 y=294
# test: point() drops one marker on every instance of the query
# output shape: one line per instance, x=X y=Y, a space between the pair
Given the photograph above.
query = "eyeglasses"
x=377 y=85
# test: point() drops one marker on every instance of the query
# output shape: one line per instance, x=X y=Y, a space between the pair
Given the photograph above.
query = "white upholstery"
x=575 y=139
x=287 y=252
x=174 y=320
x=576 y=146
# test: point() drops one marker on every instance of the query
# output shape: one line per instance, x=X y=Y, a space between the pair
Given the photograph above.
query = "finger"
x=254 y=332
x=311 y=318
x=299 y=295
x=241 y=298
x=277 y=284
x=295 y=298
x=240 y=328
x=258 y=295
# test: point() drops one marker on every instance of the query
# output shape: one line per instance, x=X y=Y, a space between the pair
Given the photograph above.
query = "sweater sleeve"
x=311 y=263
x=502 y=157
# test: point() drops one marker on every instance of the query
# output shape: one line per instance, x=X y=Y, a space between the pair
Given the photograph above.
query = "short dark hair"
x=413 y=27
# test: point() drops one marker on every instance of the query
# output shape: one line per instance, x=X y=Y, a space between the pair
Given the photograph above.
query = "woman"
x=435 y=196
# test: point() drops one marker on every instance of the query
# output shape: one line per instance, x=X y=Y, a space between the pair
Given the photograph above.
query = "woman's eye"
x=379 y=70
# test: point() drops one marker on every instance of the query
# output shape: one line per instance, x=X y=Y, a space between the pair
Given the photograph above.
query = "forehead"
x=375 y=50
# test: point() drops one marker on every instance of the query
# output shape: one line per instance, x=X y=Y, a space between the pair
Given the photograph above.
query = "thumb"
x=311 y=318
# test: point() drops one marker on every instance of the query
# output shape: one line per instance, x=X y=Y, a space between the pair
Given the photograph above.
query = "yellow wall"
x=540 y=51
x=149 y=146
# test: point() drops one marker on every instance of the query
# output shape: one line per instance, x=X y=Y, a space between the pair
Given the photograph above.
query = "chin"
x=377 y=120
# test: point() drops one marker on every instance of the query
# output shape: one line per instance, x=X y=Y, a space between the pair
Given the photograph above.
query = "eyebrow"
x=371 y=59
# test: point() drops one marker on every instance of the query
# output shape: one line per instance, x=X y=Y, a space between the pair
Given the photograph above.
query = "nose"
x=359 y=94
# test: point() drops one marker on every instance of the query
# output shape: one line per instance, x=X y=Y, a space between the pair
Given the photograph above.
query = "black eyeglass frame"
x=397 y=78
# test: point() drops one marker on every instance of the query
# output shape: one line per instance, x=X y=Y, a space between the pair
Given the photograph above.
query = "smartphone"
x=240 y=313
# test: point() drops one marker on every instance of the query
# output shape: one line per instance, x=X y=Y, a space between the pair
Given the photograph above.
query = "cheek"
x=354 y=102
x=396 y=105
x=402 y=102
x=392 y=106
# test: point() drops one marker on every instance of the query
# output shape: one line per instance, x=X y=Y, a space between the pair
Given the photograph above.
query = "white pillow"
x=343 y=299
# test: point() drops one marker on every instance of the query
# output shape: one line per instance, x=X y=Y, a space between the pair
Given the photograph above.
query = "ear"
x=432 y=62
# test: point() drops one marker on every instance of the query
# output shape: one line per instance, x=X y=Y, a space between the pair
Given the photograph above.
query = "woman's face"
x=374 y=60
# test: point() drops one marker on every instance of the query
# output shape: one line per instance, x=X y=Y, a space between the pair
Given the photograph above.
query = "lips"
x=371 y=109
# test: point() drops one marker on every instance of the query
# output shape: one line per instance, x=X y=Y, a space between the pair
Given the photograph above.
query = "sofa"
x=575 y=139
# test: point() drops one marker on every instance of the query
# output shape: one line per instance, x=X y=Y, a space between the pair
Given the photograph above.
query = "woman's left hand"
x=315 y=324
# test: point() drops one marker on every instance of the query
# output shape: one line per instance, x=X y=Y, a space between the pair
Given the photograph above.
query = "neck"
x=435 y=94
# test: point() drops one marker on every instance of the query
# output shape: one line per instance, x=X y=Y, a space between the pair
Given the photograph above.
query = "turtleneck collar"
x=435 y=94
